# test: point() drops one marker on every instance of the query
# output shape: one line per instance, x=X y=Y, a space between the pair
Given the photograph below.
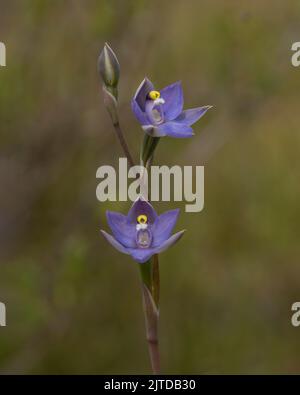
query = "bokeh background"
x=73 y=303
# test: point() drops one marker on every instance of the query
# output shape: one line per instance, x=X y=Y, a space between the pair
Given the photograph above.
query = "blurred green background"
x=73 y=303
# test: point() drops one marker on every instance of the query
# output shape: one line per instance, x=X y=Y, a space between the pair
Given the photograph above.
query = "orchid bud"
x=109 y=69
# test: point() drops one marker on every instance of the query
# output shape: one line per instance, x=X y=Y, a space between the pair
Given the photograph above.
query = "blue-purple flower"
x=142 y=233
x=161 y=112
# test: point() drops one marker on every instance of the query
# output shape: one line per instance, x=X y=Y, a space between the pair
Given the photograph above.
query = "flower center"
x=153 y=107
x=153 y=95
x=143 y=238
x=142 y=219
x=143 y=235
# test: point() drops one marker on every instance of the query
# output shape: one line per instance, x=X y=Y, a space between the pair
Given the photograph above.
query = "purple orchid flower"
x=142 y=233
x=161 y=113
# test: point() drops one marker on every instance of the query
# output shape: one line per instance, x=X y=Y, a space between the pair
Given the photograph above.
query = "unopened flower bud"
x=109 y=69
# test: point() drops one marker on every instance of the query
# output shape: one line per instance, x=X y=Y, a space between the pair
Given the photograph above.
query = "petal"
x=168 y=243
x=114 y=243
x=139 y=114
x=141 y=255
x=140 y=96
x=173 y=97
x=175 y=129
x=163 y=226
x=123 y=231
x=141 y=206
x=191 y=116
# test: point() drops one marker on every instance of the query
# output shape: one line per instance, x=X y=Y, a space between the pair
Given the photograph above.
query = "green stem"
x=110 y=96
x=150 y=275
x=151 y=311
x=148 y=147
x=146 y=274
x=155 y=280
x=123 y=143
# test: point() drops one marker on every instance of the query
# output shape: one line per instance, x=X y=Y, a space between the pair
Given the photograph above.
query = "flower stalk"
x=147 y=152
x=150 y=275
x=109 y=70
x=123 y=142
x=150 y=290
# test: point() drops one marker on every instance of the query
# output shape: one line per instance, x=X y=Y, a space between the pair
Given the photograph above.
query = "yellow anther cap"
x=142 y=219
x=154 y=95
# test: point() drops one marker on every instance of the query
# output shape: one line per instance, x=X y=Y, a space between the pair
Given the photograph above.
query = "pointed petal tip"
x=115 y=243
x=180 y=234
x=104 y=234
x=140 y=198
x=106 y=48
x=169 y=242
x=146 y=80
